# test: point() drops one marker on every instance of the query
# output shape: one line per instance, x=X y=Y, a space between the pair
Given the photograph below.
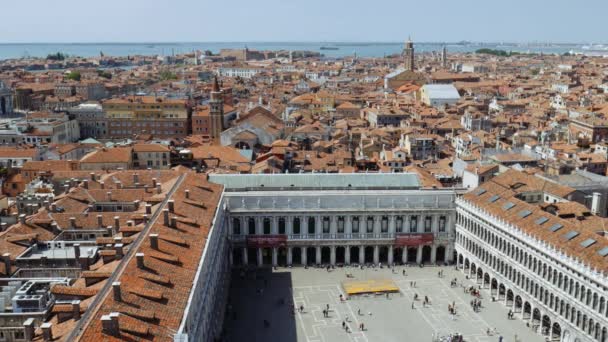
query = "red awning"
x=414 y=239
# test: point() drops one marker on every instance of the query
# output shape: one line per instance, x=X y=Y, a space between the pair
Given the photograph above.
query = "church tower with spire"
x=408 y=55
x=216 y=112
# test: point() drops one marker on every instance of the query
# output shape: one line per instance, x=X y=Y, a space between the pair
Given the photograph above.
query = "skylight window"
x=603 y=252
x=541 y=220
x=480 y=191
x=524 y=213
x=588 y=243
x=493 y=198
x=508 y=205
x=571 y=235
x=556 y=227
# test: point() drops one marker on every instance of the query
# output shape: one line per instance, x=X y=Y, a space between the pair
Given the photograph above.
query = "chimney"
x=145 y=218
x=154 y=182
x=166 y=217
x=187 y=193
x=109 y=324
x=119 y=252
x=135 y=178
x=596 y=203
x=76 y=309
x=54 y=227
x=173 y=221
x=92 y=174
x=3 y=226
x=136 y=203
x=7 y=263
x=159 y=189
x=28 y=329
x=109 y=196
x=102 y=185
x=66 y=188
x=154 y=241
x=73 y=222
x=110 y=231
x=116 y=223
x=171 y=204
x=119 y=185
x=140 y=260
x=116 y=291
x=22 y=218
x=53 y=207
x=100 y=221
x=77 y=251
x=47 y=205
x=84 y=262
x=47 y=333
x=148 y=209
x=85 y=183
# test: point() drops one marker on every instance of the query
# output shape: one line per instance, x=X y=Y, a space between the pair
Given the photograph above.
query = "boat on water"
x=329 y=48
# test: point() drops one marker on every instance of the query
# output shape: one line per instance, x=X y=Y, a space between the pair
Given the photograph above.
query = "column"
x=435 y=224
x=449 y=254
x=348 y=225
x=377 y=222
x=406 y=224
x=274 y=225
x=243 y=221
x=260 y=259
x=259 y=229
x=363 y=224
x=332 y=255
x=362 y=254
x=433 y=254
x=404 y=255
x=420 y=223
x=245 y=257
x=303 y=255
x=275 y=255
x=376 y=254
x=333 y=224
x=419 y=255
x=390 y=255
x=391 y=224
x=318 y=226
x=303 y=225
x=289 y=256
x=289 y=225
x=347 y=255
x=318 y=255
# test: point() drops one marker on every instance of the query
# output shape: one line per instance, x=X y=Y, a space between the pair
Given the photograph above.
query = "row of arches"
x=585 y=296
x=539 y=321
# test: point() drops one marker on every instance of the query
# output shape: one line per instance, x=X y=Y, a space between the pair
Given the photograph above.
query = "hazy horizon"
x=114 y=21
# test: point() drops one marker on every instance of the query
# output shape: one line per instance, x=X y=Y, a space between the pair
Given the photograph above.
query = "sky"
x=567 y=21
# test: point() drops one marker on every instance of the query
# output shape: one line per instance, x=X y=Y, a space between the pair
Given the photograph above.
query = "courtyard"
x=260 y=310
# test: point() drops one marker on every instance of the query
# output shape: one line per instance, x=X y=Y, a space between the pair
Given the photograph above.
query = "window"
x=311 y=225
x=355 y=224
x=442 y=221
x=236 y=226
x=267 y=225
x=399 y=224
x=251 y=226
x=384 y=225
x=428 y=222
x=296 y=225
x=341 y=224
x=282 y=225
x=326 y=225
x=370 y=224
x=414 y=224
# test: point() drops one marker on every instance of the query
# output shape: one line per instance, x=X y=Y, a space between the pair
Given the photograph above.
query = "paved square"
x=258 y=297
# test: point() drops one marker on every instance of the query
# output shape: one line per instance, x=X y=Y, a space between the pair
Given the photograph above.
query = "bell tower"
x=216 y=112
x=408 y=55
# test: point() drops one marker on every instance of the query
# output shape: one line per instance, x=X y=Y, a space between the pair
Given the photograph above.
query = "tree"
x=73 y=75
x=56 y=56
x=104 y=74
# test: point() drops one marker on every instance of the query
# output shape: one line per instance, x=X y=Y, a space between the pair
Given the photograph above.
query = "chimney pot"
x=85 y=183
x=76 y=309
x=22 y=218
x=109 y=196
x=47 y=333
x=159 y=188
x=102 y=185
x=73 y=222
x=7 y=263
x=117 y=223
x=100 y=221
x=154 y=182
x=119 y=252
x=3 y=226
x=148 y=209
x=92 y=174
x=174 y=221
x=187 y=192
x=140 y=260
x=154 y=241
x=116 y=291
x=28 y=327
x=171 y=204
x=166 y=217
